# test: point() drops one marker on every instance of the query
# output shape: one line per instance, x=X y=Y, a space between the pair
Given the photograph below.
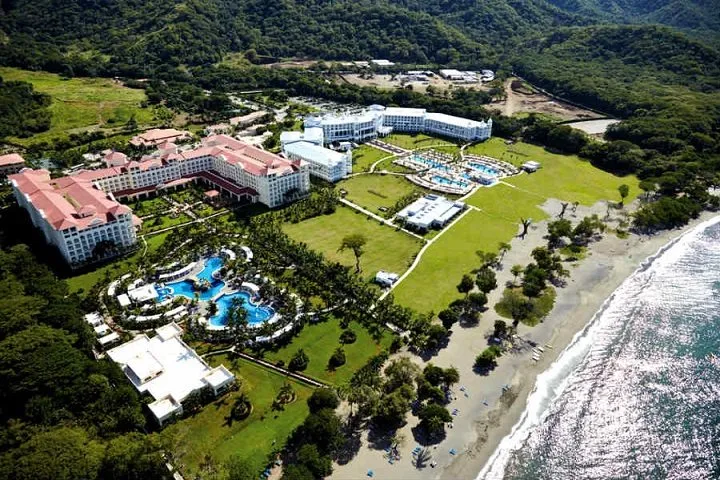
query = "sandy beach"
x=486 y=415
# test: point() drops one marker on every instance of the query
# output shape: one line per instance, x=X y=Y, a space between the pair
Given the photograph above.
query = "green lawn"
x=565 y=177
x=116 y=269
x=364 y=156
x=412 y=142
x=150 y=206
x=80 y=103
x=320 y=341
x=386 y=249
x=431 y=286
x=210 y=433
x=165 y=221
x=375 y=191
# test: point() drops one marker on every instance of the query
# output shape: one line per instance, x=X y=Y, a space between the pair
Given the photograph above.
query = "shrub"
x=323 y=398
x=486 y=359
x=347 y=337
x=337 y=358
x=299 y=361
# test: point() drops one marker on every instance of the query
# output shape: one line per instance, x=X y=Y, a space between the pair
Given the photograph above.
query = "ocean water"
x=636 y=395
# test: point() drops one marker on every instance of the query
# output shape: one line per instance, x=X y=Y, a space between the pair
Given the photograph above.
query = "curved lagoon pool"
x=256 y=314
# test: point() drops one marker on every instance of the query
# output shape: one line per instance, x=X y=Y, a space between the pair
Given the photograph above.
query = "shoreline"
x=486 y=416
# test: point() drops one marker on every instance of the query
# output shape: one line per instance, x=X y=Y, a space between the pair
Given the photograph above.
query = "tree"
x=355 y=243
x=347 y=337
x=299 y=361
x=503 y=248
x=319 y=465
x=564 y=206
x=237 y=321
x=240 y=469
x=500 y=329
x=323 y=398
x=449 y=317
x=477 y=301
x=516 y=270
x=297 y=472
x=433 y=418
x=337 y=359
x=393 y=407
x=322 y=429
x=487 y=358
x=399 y=372
x=525 y=227
x=134 y=456
x=624 y=191
x=65 y=453
x=465 y=285
x=486 y=280
x=557 y=230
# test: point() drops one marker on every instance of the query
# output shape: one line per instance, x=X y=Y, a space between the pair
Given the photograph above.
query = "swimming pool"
x=431 y=163
x=448 y=181
x=256 y=314
x=483 y=168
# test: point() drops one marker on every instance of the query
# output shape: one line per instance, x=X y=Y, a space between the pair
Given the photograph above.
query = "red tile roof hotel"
x=69 y=201
x=157 y=136
x=11 y=159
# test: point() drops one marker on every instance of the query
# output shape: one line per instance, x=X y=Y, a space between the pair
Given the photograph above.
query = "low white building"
x=324 y=163
x=531 y=166
x=167 y=369
x=430 y=211
x=386 y=279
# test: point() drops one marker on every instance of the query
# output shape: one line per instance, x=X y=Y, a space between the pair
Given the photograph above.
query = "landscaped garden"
x=386 y=249
x=203 y=442
x=320 y=340
x=164 y=221
x=414 y=141
x=364 y=156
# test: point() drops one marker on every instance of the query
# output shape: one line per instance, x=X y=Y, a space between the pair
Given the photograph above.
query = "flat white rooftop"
x=405 y=112
x=166 y=367
x=430 y=210
x=456 y=121
x=143 y=294
x=315 y=153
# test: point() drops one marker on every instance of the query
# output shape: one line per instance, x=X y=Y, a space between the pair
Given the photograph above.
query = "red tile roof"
x=11 y=159
x=69 y=201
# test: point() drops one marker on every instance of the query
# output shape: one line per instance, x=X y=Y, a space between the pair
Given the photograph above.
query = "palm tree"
x=354 y=242
x=504 y=247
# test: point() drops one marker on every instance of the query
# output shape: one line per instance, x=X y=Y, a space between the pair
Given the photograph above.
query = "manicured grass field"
x=320 y=341
x=431 y=286
x=375 y=191
x=150 y=206
x=386 y=249
x=116 y=269
x=79 y=103
x=164 y=221
x=211 y=433
x=565 y=177
x=411 y=142
x=364 y=156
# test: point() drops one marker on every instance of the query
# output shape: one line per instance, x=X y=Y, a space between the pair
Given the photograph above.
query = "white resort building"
x=378 y=121
x=430 y=211
x=167 y=369
x=78 y=211
x=324 y=163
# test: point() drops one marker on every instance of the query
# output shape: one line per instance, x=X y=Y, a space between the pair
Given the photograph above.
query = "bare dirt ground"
x=522 y=100
x=292 y=64
x=386 y=82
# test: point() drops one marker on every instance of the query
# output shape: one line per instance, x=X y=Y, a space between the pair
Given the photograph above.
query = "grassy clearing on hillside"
x=364 y=156
x=386 y=249
x=565 y=177
x=87 y=280
x=210 y=432
x=320 y=341
x=79 y=103
x=431 y=286
x=375 y=191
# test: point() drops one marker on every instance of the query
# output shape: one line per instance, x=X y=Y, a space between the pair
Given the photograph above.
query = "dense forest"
x=66 y=415
x=23 y=111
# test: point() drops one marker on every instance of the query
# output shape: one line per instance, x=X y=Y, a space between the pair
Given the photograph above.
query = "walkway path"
x=297 y=376
x=420 y=254
x=199 y=220
x=370 y=214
